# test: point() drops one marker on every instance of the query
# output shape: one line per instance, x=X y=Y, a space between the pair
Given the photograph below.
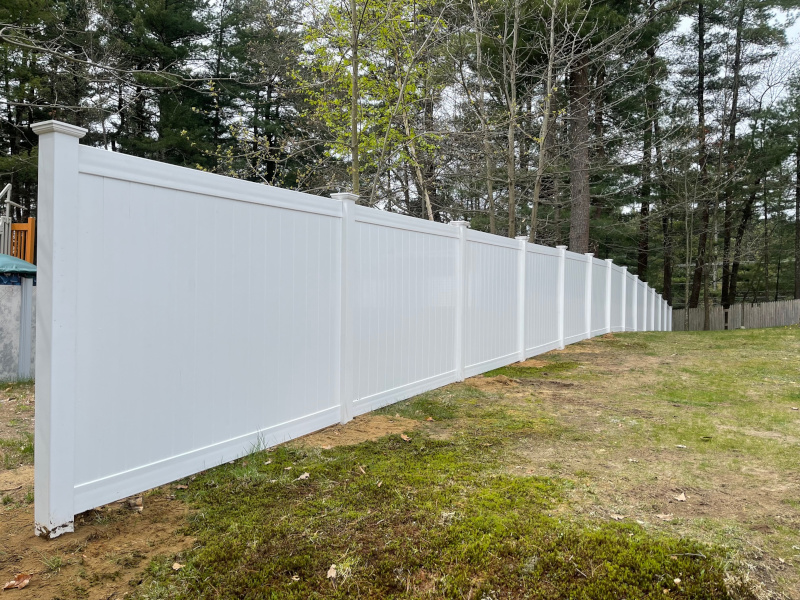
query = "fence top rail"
x=599 y=262
x=482 y=237
x=543 y=250
x=372 y=216
x=123 y=167
x=576 y=257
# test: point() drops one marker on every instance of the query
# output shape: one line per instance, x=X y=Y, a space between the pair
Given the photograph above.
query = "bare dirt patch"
x=361 y=429
x=104 y=558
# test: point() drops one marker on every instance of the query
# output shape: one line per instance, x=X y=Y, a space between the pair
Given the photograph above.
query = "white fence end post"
x=588 y=296
x=461 y=282
x=56 y=330
x=562 y=266
x=609 y=265
x=346 y=323
x=521 y=268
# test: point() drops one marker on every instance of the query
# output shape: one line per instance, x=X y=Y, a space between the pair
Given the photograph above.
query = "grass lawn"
x=648 y=465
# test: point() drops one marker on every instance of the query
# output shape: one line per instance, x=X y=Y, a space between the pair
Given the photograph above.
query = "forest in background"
x=662 y=134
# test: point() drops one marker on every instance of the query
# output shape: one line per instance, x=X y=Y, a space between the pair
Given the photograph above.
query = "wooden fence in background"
x=750 y=316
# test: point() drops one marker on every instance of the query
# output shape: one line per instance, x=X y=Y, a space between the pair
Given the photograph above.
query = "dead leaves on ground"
x=19 y=582
x=404 y=437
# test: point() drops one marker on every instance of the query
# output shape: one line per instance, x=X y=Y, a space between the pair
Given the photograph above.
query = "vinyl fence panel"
x=599 y=296
x=541 y=300
x=405 y=302
x=618 y=299
x=641 y=306
x=631 y=301
x=260 y=315
x=576 y=327
x=490 y=302
x=230 y=324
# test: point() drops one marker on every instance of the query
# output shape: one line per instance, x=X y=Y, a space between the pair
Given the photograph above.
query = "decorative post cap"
x=561 y=247
x=459 y=223
x=344 y=196
x=58 y=127
x=589 y=254
x=521 y=238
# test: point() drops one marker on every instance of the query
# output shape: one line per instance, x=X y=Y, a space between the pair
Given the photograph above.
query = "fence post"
x=562 y=265
x=636 y=304
x=461 y=282
x=521 y=268
x=588 y=300
x=25 y=328
x=624 y=298
x=609 y=264
x=346 y=328
x=57 y=204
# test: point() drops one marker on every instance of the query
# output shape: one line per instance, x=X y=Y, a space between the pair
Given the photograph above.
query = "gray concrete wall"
x=10 y=297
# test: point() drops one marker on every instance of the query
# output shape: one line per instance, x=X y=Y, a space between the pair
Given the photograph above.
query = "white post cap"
x=459 y=223
x=58 y=127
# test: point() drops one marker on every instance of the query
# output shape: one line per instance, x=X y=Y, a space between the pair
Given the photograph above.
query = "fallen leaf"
x=677 y=580
x=665 y=517
x=327 y=447
x=396 y=415
x=429 y=419
x=332 y=572
x=680 y=497
x=680 y=446
x=633 y=460
x=295 y=577
x=404 y=437
x=795 y=408
x=287 y=468
x=303 y=476
x=617 y=517
x=176 y=566
x=360 y=468
x=20 y=581
x=181 y=487
x=380 y=483
x=269 y=462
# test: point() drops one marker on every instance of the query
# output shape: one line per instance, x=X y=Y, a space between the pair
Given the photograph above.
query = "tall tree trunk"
x=797 y=226
x=727 y=225
x=644 y=215
x=747 y=214
x=579 y=156
x=487 y=146
x=512 y=126
x=354 y=99
x=702 y=241
x=666 y=213
x=544 y=133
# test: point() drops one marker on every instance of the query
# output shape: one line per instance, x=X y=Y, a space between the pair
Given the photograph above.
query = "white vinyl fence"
x=185 y=318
